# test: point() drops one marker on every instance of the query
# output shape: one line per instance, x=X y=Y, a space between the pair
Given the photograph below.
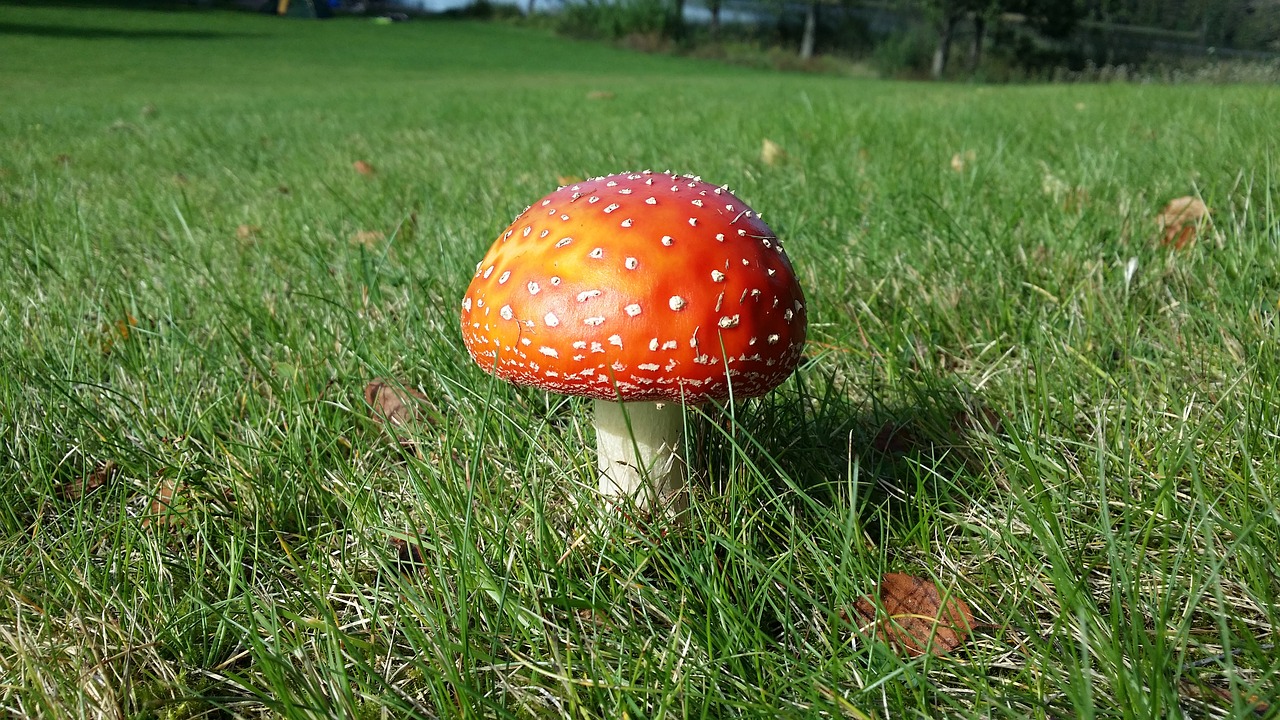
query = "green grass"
x=1116 y=534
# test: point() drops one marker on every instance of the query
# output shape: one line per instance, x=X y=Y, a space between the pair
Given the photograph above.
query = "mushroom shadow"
x=918 y=444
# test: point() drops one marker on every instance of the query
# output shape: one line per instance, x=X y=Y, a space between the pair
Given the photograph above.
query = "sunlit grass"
x=1011 y=388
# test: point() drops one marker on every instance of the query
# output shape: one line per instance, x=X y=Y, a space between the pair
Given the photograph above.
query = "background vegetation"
x=219 y=228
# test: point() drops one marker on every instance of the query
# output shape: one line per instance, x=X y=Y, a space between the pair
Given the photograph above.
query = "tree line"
x=1029 y=31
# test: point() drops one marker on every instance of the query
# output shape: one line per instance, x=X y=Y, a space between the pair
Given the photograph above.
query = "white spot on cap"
x=593 y=199
x=625 y=191
x=488 y=271
x=526 y=342
x=653 y=345
x=677 y=303
x=555 y=279
x=772 y=339
x=717 y=276
x=593 y=321
x=551 y=320
x=586 y=295
x=611 y=207
x=506 y=313
x=627 y=222
x=650 y=367
x=580 y=345
x=693 y=222
x=729 y=322
x=565 y=218
x=527 y=229
x=697 y=203
x=504 y=277
x=788 y=315
x=466 y=303
x=720 y=237
x=534 y=288
x=632 y=263
x=563 y=241
x=546 y=202
x=615 y=340
x=633 y=310
x=596 y=253
x=668 y=240
x=670 y=345
x=543 y=234
x=651 y=201
x=549 y=351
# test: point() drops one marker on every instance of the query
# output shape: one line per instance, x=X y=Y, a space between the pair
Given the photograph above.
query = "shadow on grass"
x=920 y=446
x=101 y=33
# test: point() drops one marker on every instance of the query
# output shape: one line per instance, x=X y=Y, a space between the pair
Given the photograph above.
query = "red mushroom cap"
x=638 y=287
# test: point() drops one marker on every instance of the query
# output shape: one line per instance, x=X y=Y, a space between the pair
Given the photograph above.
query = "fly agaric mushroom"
x=643 y=291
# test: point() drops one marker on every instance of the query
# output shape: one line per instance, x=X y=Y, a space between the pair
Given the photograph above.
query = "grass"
x=188 y=320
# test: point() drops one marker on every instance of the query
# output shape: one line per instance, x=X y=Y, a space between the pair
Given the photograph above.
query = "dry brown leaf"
x=367 y=238
x=161 y=511
x=771 y=153
x=961 y=160
x=565 y=180
x=76 y=489
x=409 y=556
x=394 y=404
x=246 y=232
x=363 y=168
x=913 y=618
x=600 y=95
x=1182 y=219
x=117 y=332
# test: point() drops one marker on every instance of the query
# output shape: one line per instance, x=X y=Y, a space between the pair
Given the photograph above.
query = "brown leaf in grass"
x=247 y=232
x=76 y=489
x=117 y=332
x=394 y=404
x=1181 y=220
x=367 y=238
x=363 y=168
x=771 y=153
x=283 y=189
x=961 y=160
x=161 y=511
x=409 y=556
x=913 y=617
x=600 y=95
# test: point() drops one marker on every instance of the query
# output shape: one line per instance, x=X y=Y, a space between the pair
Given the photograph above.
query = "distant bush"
x=617 y=19
x=906 y=53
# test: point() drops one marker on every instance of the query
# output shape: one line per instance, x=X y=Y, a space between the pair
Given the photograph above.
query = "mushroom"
x=646 y=292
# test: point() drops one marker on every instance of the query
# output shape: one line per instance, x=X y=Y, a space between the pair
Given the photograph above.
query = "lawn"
x=217 y=229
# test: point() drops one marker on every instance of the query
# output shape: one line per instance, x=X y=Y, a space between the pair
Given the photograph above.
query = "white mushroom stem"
x=638 y=451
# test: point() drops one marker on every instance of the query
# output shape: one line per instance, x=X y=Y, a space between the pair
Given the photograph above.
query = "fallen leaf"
x=961 y=160
x=1182 y=219
x=161 y=511
x=117 y=332
x=600 y=95
x=394 y=404
x=246 y=232
x=367 y=238
x=912 y=617
x=282 y=189
x=76 y=489
x=771 y=153
x=409 y=556
x=363 y=168
x=565 y=180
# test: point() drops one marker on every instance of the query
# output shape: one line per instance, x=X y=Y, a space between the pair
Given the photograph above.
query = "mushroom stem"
x=638 y=451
